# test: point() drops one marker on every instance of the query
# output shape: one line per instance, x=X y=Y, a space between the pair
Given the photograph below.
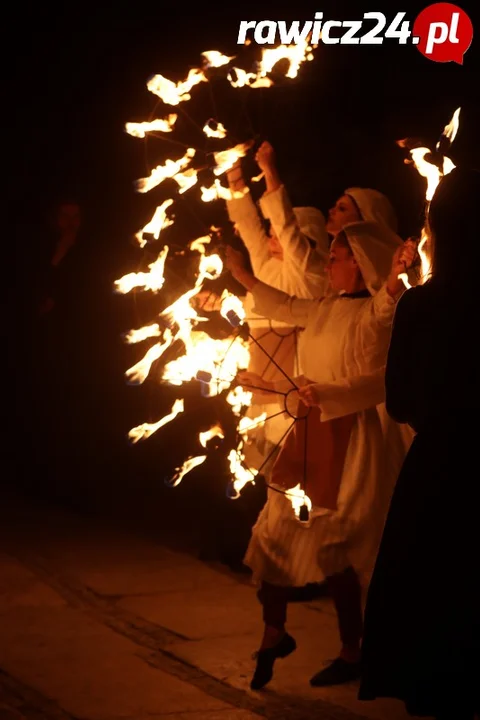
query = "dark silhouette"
x=422 y=629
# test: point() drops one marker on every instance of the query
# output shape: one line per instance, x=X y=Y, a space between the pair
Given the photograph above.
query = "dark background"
x=80 y=74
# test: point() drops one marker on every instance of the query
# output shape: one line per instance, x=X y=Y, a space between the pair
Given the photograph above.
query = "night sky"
x=81 y=74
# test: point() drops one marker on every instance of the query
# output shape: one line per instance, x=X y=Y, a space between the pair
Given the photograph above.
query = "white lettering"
x=326 y=32
x=317 y=26
x=271 y=27
x=433 y=39
x=453 y=28
x=349 y=37
x=242 y=32
x=293 y=35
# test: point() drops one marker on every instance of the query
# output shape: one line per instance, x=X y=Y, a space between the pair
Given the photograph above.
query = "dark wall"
x=80 y=76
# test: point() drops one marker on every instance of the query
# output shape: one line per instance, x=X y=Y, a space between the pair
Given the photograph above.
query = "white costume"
x=344 y=350
x=302 y=235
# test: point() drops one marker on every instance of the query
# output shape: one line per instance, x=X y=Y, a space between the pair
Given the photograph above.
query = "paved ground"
x=99 y=624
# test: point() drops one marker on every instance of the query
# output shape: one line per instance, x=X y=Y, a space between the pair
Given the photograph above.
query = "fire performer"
x=292 y=258
x=422 y=636
x=347 y=465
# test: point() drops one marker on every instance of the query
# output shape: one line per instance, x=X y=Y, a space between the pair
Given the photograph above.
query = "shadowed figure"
x=422 y=634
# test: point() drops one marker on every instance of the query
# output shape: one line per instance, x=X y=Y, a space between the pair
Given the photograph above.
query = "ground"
x=101 y=624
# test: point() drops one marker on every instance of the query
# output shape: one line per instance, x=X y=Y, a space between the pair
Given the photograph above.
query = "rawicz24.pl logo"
x=442 y=32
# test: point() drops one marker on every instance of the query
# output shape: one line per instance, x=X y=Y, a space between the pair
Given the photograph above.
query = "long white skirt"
x=284 y=551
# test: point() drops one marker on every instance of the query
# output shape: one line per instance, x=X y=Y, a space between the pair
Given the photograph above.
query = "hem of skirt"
x=258 y=577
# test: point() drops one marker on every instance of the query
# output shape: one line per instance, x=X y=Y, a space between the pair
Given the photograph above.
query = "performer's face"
x=343 y=212
x=342 y=268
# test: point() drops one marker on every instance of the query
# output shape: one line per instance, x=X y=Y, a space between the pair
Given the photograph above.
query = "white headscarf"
x=373 y=248
x=374 y=207
x=312 y=224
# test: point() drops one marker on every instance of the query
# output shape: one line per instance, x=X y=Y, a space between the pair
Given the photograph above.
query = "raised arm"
x=244 y=214
x=269 y=302
x=297 y=247
x=276 y=206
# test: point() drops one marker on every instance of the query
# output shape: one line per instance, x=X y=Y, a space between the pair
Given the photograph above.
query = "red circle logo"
x=443 y=32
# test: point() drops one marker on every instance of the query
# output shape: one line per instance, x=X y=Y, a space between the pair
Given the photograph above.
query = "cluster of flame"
x=433 y=172
x=214 y=363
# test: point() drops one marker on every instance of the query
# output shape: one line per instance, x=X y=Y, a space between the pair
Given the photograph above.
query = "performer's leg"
x=274 y=600
x=346 y=593
x=276 y=643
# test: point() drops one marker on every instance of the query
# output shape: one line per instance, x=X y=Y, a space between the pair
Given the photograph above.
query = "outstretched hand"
x=265 y=157
x=403 y=259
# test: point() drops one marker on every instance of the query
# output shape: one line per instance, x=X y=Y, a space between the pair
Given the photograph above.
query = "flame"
x=158 y=222
x=217 y=132
x=218 y=192
x=433 y=175
x=226 y=159
x=218 y=360
x=215 y=431
x=190 y=464
x=295 y=54
x=174 y=93
x=216 y=59
x=248 y=79
x=241 y=475
x=450 y=130
x=162 y=172
x=213 y=362
x=144 y=431
x=137 y=374
x=139 y=130
x=152 y=280
x=136 y=336
x=186 y=180
x=239 y=399
x=298 y=498
x=247 y=424
x=199 y=244
x=231 y=303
